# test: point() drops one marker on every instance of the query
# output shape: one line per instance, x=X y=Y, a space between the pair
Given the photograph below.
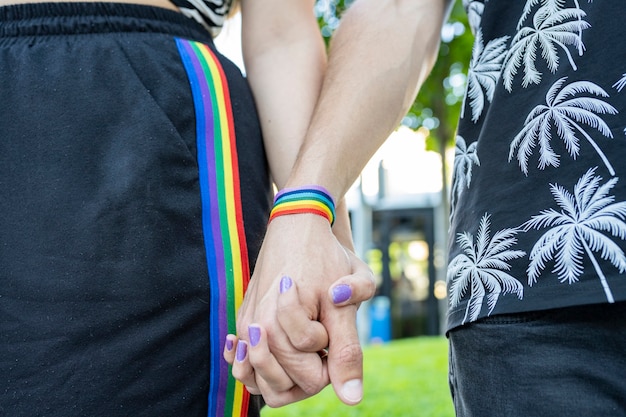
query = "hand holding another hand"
x=303 y=298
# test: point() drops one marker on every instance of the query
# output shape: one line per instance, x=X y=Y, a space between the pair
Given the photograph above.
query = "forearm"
x=379 y=57
x=285 y=60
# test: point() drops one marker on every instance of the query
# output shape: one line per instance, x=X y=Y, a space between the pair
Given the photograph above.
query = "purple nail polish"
x=254 y=333
x=242 y=350
x=341 y=293
x=229 y=344
x=285 y=284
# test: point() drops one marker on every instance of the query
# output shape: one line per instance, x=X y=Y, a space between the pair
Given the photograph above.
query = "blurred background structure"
x=399 y=207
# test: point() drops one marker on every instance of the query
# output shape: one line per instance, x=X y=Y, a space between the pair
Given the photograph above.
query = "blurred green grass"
x=407 y=377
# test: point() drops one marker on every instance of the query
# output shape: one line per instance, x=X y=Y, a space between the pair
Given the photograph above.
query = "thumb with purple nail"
x=354 y=288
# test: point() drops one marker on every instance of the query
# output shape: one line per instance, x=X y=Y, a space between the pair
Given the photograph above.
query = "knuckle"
x=239 y=374
x=312 y=387
x=274 y=401
x=242 y=377
x=304 y=342
x=253 y=390
x=284 y=307
x=259 y=362
x=270 y=402
x=256 y=361
x=268 y=323
x=351 y=355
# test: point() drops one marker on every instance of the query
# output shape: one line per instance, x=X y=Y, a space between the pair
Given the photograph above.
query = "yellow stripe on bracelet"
x=302 y=207
x=312 y=199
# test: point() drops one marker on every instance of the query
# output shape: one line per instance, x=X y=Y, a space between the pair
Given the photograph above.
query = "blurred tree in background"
x=438 y=104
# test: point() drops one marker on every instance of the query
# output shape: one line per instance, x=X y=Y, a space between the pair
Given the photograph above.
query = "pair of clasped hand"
x=296 y=329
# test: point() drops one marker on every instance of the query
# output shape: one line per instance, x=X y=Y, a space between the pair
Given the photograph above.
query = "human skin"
x=285 y=59
x=379 y=57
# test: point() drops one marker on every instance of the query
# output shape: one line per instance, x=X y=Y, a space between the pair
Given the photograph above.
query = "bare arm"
x=285 y=60
x=379 y=57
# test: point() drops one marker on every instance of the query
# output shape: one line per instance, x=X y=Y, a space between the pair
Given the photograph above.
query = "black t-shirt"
x=538 y=200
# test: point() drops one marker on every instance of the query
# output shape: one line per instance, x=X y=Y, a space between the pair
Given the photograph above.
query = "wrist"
x=342 y=228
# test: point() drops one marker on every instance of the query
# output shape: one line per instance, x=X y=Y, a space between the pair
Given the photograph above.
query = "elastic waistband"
x=48 y=19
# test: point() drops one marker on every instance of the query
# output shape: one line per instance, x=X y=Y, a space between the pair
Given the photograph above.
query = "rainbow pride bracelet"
x=308 y=199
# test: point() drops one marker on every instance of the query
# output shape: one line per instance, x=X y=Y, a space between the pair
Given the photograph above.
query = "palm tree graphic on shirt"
x=553 y=28
x=465 y=157
x=484 y=72
x=481 y=270
x=579 y=229
x=474 y=11
x=567 y=111
x=619 y=85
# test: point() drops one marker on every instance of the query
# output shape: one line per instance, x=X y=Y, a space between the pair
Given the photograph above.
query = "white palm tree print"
x=481 y=269
x=579 y=229
x=474 y=10
x=484 y=72
x=567 y=111
x=550 y=6
x=621 y=83
x=465 y=157
x=553 y=28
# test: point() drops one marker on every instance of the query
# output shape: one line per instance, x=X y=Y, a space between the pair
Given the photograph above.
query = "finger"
x=345 y=357
x=306 y=369
x=276 y=387
x=242 y=370
x=229 y=348
x=356 y=287
x=304 y=333
x=266 y=367
x=279 y=399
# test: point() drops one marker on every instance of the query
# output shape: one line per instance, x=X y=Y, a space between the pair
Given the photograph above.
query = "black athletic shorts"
x=134 y=195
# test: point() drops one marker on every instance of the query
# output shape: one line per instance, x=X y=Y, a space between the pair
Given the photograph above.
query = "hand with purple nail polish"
x=285 y=266
x=354 y=288
x=302 y=299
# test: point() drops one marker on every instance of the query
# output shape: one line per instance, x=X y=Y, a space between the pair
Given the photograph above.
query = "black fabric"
x=562 y=362
x=103 y=277
x=539 y=194
x=74 y=18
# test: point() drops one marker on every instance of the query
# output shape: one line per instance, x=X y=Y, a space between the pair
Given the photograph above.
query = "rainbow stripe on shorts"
x=222 y=217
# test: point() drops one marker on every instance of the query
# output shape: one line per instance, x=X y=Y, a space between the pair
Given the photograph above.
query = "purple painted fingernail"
x=242 y=350
x=341 y=293
x=285 y=284
x=254 y=332
x=229 y=344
